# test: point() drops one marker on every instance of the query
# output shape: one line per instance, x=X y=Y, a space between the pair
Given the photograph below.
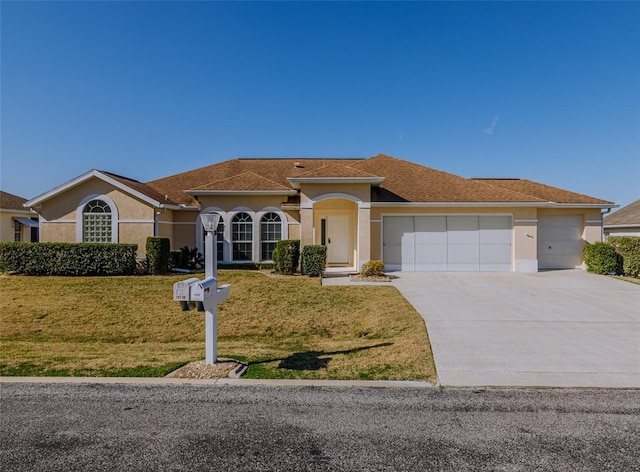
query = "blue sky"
x=548 y=91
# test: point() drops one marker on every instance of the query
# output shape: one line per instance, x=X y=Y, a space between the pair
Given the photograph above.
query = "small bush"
x=629 y=249
x=372 y=269
x=314 y=260
x=600 y=258
x=175 y=260
x=158 y=254
x=68 y=258
x=288 y=256
x=191 y=258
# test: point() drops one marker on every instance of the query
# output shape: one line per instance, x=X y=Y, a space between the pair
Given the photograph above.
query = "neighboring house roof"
x=625 y=216
x=8 y=201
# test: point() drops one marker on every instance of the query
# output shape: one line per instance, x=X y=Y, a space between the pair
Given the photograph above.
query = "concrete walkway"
x=548 y=329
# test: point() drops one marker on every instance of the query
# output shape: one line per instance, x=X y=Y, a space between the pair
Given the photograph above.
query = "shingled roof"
x=8 y=201
x=628 y=215
x=403 y=181
x=542 y=191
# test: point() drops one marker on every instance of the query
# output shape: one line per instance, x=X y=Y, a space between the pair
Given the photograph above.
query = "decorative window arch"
x=242 y=236
x=97 y=220
x=270 y=234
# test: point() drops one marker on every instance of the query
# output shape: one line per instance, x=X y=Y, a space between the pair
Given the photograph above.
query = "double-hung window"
x=242 y=237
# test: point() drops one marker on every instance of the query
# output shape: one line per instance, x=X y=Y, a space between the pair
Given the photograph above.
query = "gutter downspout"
x=602 y=213
x=155 y=221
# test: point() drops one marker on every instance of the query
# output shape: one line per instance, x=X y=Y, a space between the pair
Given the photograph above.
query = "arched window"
x=96 y=222
x=270 y=234
x=242 y=237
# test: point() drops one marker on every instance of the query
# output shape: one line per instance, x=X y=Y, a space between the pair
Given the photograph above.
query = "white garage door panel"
x=430 y=250
x=559 y=242
x=495 y=243
x=398 y=240
x=447 y=243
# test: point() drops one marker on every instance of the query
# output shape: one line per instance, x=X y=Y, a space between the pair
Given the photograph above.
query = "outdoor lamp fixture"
x=210 y=221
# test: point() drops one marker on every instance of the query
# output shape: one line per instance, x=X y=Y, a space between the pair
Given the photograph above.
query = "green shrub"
x=629 y=249
x=600 y=258
x=288 y=256
x=314 y=260
x=372 y=269
x=191 y=258
x=68 y=258
x=158 y=254
x=175 y=260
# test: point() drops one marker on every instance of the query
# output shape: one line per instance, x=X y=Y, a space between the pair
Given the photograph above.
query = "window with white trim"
x=96 y=222
x=17 y=231
x=242 y=237
x=270 y=234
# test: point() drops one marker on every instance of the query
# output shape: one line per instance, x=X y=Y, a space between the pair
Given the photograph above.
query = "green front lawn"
x=283 y=327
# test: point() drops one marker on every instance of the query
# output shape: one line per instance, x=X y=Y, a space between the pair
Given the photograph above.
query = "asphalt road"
x=98 y=427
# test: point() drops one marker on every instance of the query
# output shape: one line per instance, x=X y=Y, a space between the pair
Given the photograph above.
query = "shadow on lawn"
x=314 y=360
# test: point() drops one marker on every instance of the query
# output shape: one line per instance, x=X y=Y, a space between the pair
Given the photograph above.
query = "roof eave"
x=296 y=182
x=493 y=204
x=240 y=192
x=628 y=225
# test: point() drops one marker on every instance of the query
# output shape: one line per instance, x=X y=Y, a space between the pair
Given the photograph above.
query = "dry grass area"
x=283 y=327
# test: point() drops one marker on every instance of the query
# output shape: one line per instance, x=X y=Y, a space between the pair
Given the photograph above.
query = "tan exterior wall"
x=7 y=225
x=59 y=214
x=312 y=191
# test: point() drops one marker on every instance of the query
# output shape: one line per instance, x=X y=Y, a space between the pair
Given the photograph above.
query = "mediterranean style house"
x=412 y=217
x=17 y=223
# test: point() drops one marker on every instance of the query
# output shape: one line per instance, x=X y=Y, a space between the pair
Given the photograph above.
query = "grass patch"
x=285 y=327
x=632 y=280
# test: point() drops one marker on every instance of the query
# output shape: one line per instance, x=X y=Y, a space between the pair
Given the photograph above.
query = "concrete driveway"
x=554 y=329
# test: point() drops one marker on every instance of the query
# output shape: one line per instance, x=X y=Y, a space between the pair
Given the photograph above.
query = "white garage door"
x=447 y=243
x=559 y=242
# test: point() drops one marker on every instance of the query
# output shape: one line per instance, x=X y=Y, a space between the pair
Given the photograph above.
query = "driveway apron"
x=563 y=328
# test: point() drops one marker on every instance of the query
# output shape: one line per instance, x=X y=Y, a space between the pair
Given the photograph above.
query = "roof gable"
x=129 y=186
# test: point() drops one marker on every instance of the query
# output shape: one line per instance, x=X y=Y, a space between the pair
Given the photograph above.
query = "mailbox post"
x=210 y=223
x=205 y=293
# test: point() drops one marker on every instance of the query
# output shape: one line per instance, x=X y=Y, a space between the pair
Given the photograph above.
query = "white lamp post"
x=210 y=223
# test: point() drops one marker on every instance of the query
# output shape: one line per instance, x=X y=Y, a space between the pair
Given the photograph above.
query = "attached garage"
x=559 y=242
x=439 y=243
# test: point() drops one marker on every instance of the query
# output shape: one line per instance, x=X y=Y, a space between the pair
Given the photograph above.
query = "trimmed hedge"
x=314 y=260
x=629 y=248
x=158 y=254
x=68 y=258
x=286 y=256
x=600 y=258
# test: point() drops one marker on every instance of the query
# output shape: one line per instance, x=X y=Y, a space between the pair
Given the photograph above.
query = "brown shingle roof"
x=403 y=181
x=244 y=182
x=8 y=201
x=542 y=191
x=336 y=170
x=140 y=187
x=274 y=170
x=628 y=215
x=408 y=182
